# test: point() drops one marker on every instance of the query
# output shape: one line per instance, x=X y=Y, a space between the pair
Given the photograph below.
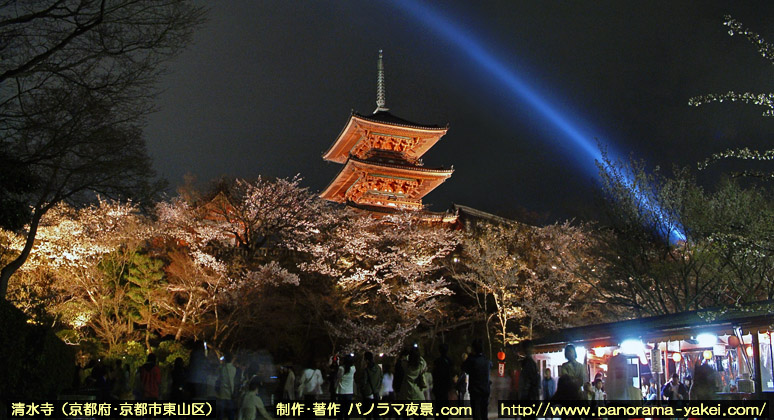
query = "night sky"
x=267 y=86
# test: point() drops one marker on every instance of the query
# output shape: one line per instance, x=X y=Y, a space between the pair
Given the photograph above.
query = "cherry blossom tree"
x=191 y=296
x=239 y=240
x=386 y=271
x=87 y=253
x=523 y=274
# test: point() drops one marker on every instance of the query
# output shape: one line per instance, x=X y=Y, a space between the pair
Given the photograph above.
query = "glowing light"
x=581 y=142
x=616 y=352
x=749 y=351
x=707 y=339
x=707 y=354
x=677 y=357
x=580 y=351
x=632 y=347
x=599 y=351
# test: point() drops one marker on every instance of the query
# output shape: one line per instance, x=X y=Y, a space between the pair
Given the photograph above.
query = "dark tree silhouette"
x=76 y=81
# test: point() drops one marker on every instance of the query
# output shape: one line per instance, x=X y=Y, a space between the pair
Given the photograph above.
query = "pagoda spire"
x=381 y=103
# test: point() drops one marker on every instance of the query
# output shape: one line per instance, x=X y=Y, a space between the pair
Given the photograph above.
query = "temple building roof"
x=384 y=184
x=389 y=118
x=383 y=131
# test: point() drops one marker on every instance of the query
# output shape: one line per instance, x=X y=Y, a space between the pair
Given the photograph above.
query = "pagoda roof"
x=429 y=178
x=383 y=123
x=388 y=118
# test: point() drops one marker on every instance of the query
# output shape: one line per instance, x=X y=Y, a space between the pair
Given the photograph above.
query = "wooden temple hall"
x=382 y=156
x=735 y=342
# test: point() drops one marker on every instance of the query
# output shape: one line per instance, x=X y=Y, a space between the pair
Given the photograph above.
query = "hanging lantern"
x=707 y=354
x=677 y=357
x=749 y=351
x=733 y=341
x=501 y=355
x=599 y=351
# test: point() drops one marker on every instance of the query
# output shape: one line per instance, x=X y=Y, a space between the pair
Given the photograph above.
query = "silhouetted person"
x=566 y=390
x=397 y=379
x=333 y=372
x=529 y=378
x=477 y=367
x=442 y=376
x=178 y=378
x=150 y=378
x=703 y=387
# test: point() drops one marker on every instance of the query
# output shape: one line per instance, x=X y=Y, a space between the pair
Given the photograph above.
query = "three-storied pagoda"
x=381 y=153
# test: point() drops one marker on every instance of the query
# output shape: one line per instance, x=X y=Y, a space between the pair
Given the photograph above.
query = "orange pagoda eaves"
x=381 y=184
x=383 y=131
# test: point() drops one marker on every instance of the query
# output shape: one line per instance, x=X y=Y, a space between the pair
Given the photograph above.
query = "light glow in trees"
x=521 y=274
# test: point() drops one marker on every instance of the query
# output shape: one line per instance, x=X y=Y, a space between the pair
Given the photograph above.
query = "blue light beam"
x=522 y=92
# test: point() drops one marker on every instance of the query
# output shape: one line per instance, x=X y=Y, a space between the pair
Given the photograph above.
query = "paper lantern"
x=733 y=341
x=749 y=351
x=707 y=354
x=677 y=357
x=500 y=356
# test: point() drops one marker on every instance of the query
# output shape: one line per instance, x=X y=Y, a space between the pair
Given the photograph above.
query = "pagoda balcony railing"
x=387 y=200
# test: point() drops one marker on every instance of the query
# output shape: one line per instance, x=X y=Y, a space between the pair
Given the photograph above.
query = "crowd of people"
x=243 y=388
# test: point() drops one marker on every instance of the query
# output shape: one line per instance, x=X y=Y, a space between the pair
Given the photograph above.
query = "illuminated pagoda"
x=381 y=153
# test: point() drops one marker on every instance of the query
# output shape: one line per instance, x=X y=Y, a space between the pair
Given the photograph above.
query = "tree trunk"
x=13 y=266
x=147 y=335
x=182 y=323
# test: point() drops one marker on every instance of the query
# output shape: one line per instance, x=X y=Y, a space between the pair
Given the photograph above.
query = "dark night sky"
x=268 y=85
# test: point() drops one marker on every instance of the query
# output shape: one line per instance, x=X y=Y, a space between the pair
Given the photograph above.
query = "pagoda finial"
x=380 y=100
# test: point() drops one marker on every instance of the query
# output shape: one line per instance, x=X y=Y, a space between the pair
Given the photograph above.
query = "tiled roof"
x=388 y=118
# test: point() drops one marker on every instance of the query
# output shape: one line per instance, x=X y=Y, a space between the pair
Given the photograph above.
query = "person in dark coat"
x=179 y=377
x=477 y=367
x=397 y=379
x=674 y=390
x=442 y=377
x=529 y=379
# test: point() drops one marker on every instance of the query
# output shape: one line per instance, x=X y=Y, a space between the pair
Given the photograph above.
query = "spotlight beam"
x=522 y=92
